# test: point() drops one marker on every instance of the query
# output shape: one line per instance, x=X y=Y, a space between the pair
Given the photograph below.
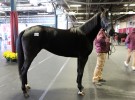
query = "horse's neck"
x=91 y=27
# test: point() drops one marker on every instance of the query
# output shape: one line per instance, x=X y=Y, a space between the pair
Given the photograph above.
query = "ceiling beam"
x=99 y=3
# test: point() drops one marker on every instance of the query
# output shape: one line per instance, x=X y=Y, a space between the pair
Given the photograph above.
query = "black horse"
x=120 y=36
x=74 y=42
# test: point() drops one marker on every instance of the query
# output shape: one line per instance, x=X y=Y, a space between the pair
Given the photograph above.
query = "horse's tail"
x=20 y=53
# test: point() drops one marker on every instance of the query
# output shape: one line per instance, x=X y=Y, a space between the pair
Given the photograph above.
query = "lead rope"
x=112 y=48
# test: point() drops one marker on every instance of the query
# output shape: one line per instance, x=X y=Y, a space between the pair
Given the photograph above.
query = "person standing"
x=130 y=40
x=0 y=41
x=102 y=44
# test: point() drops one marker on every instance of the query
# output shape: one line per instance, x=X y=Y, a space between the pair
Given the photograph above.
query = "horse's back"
x=58 y=41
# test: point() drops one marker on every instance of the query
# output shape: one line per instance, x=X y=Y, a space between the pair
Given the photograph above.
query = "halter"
x=104 y=23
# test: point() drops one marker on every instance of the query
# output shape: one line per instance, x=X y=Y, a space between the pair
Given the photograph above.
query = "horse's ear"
x=102 y=9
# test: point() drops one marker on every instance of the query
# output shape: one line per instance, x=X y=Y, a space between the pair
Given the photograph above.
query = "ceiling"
x=91 y=6
x=86 y=11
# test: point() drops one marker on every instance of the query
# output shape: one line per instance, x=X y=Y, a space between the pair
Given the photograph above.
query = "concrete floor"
x=53 y=77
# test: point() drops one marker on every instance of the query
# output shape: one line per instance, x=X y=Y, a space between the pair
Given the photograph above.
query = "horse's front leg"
x=80 y=69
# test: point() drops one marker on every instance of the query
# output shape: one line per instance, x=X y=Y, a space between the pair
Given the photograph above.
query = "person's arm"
x=127 y=39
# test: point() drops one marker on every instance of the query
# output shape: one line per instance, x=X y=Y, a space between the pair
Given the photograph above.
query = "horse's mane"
x=90 y=24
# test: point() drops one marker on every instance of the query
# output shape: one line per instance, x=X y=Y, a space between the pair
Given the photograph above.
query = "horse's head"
x=106 y=22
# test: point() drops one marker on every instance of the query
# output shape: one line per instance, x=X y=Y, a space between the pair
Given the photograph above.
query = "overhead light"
x=2 y=12
x=71 y=13
x=125 y=5
x=130 y=12
x=24 y=5
x=81 y=22
x=42 y=13
x=74 y=13
x=129 y=4
x=79 y=18
x=132 y=5
x=75 y=5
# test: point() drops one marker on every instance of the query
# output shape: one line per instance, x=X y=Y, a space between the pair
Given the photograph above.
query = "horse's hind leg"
x=80 y=69
x=25 y=68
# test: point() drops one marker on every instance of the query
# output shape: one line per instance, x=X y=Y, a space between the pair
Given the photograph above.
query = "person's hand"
x=107 y=39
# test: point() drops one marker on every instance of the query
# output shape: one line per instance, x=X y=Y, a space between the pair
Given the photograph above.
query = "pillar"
x=13 y=25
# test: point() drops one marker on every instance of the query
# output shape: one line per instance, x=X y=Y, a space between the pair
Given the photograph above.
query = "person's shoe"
x=102 y=80
x=126 y=64
x=133 y=68
x=97 y=83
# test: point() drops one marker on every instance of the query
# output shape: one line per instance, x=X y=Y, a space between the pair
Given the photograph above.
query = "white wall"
x=122 y=25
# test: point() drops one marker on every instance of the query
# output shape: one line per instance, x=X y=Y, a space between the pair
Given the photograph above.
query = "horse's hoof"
x=81 y=93
x=26 y=95
x=27 y=87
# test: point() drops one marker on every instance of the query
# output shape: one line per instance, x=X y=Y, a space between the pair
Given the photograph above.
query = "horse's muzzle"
x=111 y=32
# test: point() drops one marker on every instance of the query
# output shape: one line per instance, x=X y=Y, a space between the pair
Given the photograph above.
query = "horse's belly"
x=63 y=52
